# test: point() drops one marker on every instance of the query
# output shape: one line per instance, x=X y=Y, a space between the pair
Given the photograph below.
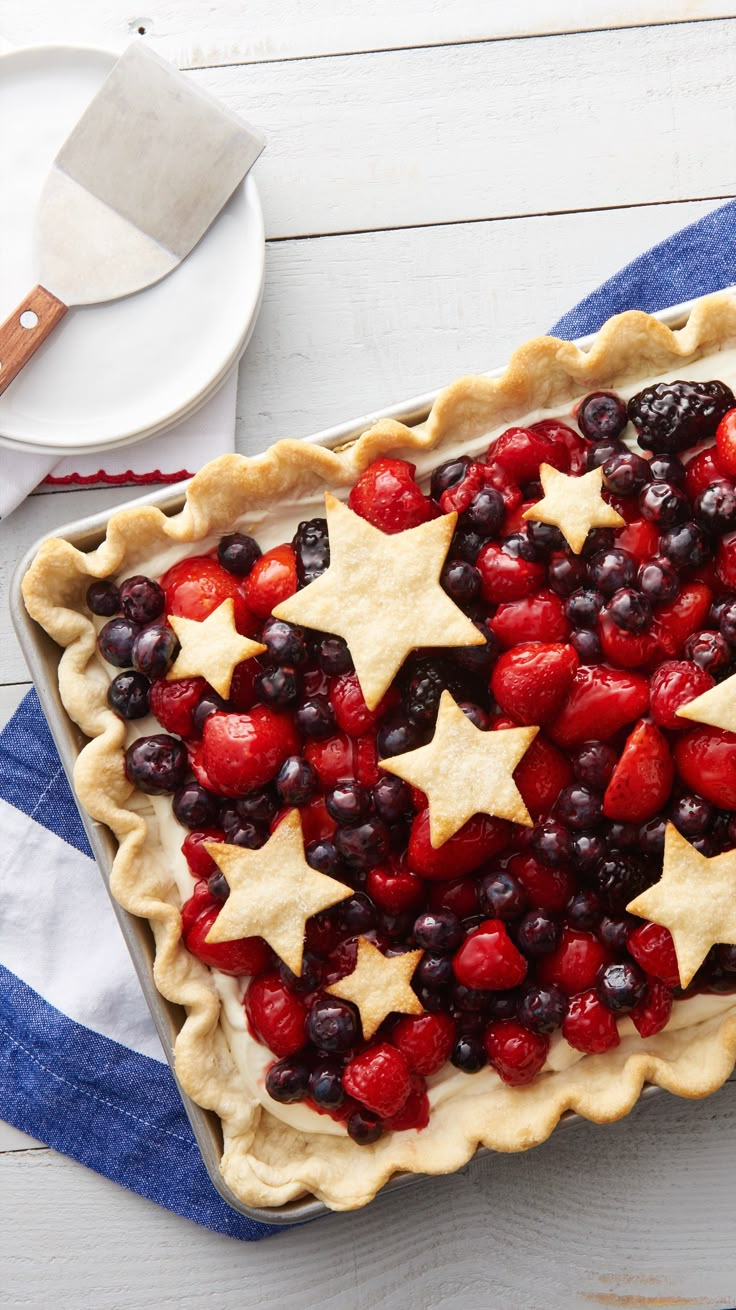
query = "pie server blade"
x=135 y=186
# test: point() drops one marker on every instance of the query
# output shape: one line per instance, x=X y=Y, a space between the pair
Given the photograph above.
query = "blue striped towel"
x=81 y=1066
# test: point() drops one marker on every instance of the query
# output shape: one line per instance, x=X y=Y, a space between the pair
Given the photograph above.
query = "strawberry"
x=197 y=904
x=516 y=1054
x=425 y=1040
x=201 y=863
x=276 y=1015
x=673 y=623
x=702 y=469
x=653 y=948
x=530 y=682
x=507 y=577
x=479 y=839
x=540 y=776
x=389 y=498
x=601 y=702
x=574 y=964
x=726 y=442
x=588 y=1026
x=379 y=1079
x=247 y=955
x=272 y=579
x=675 y=683
x=625 y=650
x=652 y=1014
x=394 y=889
x=533 y=618
x=198 y=585
x=457 y=894
x=244 y=751
x=560 y=433
x=642 y=779
x=706 y=761
x=639 y=538
x=351 y=711
x=488 y=958
x=173 y=703
x=521 y=451
x=547 y=888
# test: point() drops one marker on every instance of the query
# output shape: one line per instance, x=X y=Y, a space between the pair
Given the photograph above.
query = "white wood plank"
x=633 y=1215
x=10 y=698
x=13 y=1140
x=194 y=35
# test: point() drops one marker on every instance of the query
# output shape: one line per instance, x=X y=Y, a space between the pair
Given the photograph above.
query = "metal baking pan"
x=43 y=655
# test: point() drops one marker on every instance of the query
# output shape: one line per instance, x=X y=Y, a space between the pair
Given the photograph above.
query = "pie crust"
x=267 y=1162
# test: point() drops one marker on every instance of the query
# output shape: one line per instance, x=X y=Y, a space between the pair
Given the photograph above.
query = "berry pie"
x=421 y=759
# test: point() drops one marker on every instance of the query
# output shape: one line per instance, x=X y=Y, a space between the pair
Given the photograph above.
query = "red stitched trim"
x=113 y=479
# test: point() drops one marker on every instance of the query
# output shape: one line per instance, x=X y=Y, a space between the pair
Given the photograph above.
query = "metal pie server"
x=146 y=170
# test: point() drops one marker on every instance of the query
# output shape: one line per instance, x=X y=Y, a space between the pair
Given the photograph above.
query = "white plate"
x=113 y=373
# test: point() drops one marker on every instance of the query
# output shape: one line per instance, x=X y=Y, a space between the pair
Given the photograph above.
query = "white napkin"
x=169 y=457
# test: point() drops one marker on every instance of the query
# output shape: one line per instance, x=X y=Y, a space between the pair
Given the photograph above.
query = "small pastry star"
x=382 y=594
x=465 y=771
x=211 y=647
x=574 y=505
x=379 y=985
x=717 y=706
x=695 y=898
x=273 y=891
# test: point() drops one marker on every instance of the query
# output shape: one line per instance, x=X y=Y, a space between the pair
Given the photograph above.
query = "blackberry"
x=312 y=549
x=429 y=679
x=670 y=416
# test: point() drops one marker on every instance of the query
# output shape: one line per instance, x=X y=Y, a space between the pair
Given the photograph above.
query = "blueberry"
x=615 y=930
x=470 y=998
x=435 y=971
x=663 y=504
x=566 y=573
x=667 y=468
x=611 y=569
x=217 y=886
x=332 y=1024
x=551 y=842
x=358 y=915
x=502 y=895
x=396 y=735
x=537 y=933
x=476 y=714
x=448 y=475
x=467 y=544
x=438 y=931
x=504 y=1005
x=651 y=836
x=545 y=536
x=621 y=986
x=599 y=454
x=542 y=1008
x=461 y=581
x=658 y=581
x=141 y=599
x=485 y=513
x=727 y=958
x=310 y=977
x=154 y=649
x=588 y=849
x=520 y=546
x=602 y=416
x=287 y=1080
x=593 y=763
x=322 y=856
x=715 y=507
x=726 y=622
x=686 y=545
x=363 y=845
x=348 y=801
x=115 y=642
x=297 y=781
x=583 y=910
x=692 y=815
x=325 y=1085
x=583 y=607
x=209 y=703
x=469 y=1054
x=103 y=598
x=257 y=807
x=622 y=836
x=334 y=657
x=286 y=643
x=579 y=806
x=251 y=836
x=315 y=718
x=392 y=798
x=156 y=764
x=364 y=1127
x=195 y=807
x=311 y=545
x=597 y=539
x=587 y=646
x=625 y=474
x=630 y=610
x=279 y=687
x=127 y=695
x=238 y=553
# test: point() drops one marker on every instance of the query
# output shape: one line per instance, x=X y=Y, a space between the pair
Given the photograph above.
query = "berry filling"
x=521 y=933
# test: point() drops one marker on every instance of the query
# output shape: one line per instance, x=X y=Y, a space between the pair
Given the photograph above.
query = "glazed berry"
x=621 y=986
x=589 y=1026
x=217 y=886
x=663 y=504
x=157 y=764
x=469 y=1054
x=364 y=1128
x=705 y=761
x=551 y=842
x=195 y=807
x=425 y=688
x=537 y=933
x=391 y=798
x=379 y=1079
x=311 y=546
x=506 y=575
x=602 y=416
x=626 y=474
x=485 y=513
x=286 y=643
x=348 y=802
x=334 y=656
x=610 y=570
x=593 y=763
x=242 y=752
x=438 y=931
x=358 y=915
x=489 y=959
x=579 y=806
x=153 y=650
x=127 y=695
x=332 y=1024
x=277 y=1016
x=621 y=836
x=726 y=622
x=425 y=1041
x=630 y=610
x=620 y=878
x=715 y=507
x=651 y=837
x=709 y=650
x=461 y=581
x=686 y=545
x=587 y=646
x=588 y=848
x=658 y=582
x=566 y=573
x=238 y=553
x=516 y=1053
x=363 y=845
x=141 y=599
x=296 y=781
x=315 y=718
x=397 y=735
x=466 y=544
x=287 y=1080
x=583 y=607
x=542 y=1008
x=115 y=642
x=673 y=684
x=502 y=896
x=434 y=971
x=574 y=965
x=667 y=468
x=614 y=931
x=600 y=453
x=103 y=598
x=692 y=815
x=211 y=703
x=670 y=416
x=448 y=475
x=520 y=546
x=583 y=910
x=545 y=536
x=387 y=496
x=325 y=1085
x=279 y=687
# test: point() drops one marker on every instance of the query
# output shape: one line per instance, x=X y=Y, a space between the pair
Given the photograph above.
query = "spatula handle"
x=24 y=331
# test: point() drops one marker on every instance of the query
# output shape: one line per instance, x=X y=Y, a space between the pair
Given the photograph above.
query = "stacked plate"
x=114 y=373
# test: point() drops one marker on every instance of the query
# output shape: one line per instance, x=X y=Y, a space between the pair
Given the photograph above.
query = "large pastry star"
x=574 y=505
x=695 y=898
x=211 y=647
x=716 y=706
x=382 y=594
x=379 y=985
x=465 y=771
x=273 y=891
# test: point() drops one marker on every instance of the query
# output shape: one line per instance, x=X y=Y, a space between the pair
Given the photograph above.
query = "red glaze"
x=559 y=432
x=201 y=863
x=244 y=751
x=387 y=496
x=521 y=451
x=198 y=585
x=242 y=695
x=173 y=703
x=533 y=618
x=488 y=958
x=507 y=577
x=457 y=894
x=675 y=683
x=477 y=841
x=540 y=776
x=247 y=955
x=547 y=888
x=379 y=1079
x=275 y=1014
x=531 y=681
x=601 y=702
x=574 y=964
x=316 y=822
x=706 y=761
x=652 y=1014
x=425 y=1040
x=198 y=903
x=674 y=623
x=516 y=1054
x=653 y=948
x=272 y=579
x=588 y=1026
x=414 y=1113
x=726 y=443
x=642 y=780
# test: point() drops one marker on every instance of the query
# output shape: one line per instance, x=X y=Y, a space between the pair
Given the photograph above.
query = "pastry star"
x=379 y=984
x=465 y=771
x=273 y=891
x=695 y=898
x=211 y=647
x=382 y=594
x=574 y=505
x=716 y=706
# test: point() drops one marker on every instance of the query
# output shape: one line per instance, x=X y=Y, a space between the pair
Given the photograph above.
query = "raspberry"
x=425 y=1041
x=379 y=1079
x=516 y=1054
x=588 y=1026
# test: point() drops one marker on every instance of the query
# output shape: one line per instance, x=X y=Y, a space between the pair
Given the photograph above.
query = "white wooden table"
x=442 y=180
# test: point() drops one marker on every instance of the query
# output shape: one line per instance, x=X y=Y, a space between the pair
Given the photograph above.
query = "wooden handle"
x=24 y=331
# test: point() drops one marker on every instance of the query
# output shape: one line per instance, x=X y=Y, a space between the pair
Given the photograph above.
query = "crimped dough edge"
x=266 y=1162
